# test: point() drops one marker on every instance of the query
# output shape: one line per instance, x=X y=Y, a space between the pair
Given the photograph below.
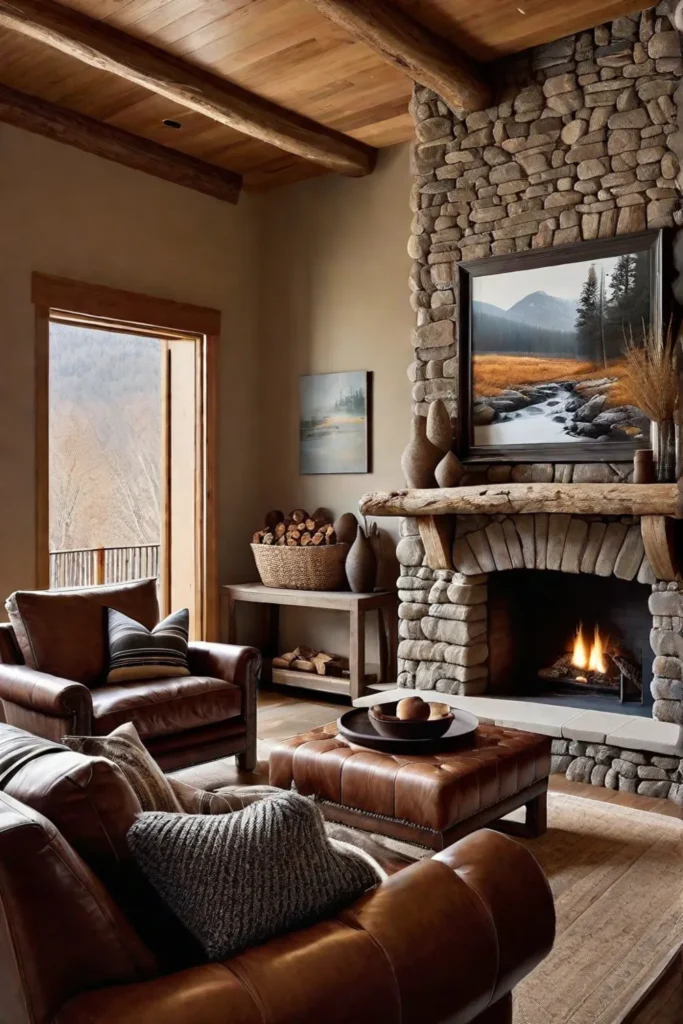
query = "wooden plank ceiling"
x=285 y=51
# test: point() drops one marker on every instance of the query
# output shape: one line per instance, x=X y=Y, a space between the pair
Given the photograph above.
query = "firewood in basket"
x=323 y=515
x=294 y=535
x=273 y=518
x=298 y=515
x=258 y=537
x=318 y=538
x=292 y=543
x=281 y=541
x=310 y=525
x=305 y=539
x=301 y=665
x=280 y=530
x=268 y=538
x=330 y=535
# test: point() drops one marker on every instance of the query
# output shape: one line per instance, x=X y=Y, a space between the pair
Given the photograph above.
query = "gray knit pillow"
x=235 y=880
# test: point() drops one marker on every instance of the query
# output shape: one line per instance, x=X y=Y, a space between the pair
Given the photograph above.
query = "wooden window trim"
x=96 y=300
x=133 y=309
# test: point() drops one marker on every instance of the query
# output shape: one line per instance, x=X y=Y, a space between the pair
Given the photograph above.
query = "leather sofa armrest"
x=234 y=664
x=443 y=940
x=511 y=884
x=48 y=695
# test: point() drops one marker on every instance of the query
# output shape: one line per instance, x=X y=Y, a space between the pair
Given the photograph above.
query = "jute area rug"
x=617 y=879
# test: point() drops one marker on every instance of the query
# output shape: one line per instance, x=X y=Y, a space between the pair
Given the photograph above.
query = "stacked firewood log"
x=308 y=659
x=298 y=529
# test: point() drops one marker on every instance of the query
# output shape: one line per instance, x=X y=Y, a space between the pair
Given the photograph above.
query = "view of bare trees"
x=105 y=438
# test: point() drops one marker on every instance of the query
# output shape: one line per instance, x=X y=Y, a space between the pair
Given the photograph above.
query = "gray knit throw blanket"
x=235 y=880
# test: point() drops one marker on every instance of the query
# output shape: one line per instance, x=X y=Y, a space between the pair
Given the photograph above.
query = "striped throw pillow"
x=139 y=653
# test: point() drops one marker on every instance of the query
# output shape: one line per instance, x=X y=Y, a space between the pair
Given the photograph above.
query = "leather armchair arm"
x=48 y=695
x=235 y=664
x=443 y=940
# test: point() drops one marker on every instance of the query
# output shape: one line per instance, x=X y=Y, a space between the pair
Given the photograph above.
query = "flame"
x=590 y=656
x=596 y=661
x=579 y=652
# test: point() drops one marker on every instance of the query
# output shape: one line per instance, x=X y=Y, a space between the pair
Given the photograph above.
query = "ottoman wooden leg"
x=537 y=815
x=535 y=822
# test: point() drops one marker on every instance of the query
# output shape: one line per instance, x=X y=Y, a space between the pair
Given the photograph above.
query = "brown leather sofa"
x=83 y=939
x=53 y=665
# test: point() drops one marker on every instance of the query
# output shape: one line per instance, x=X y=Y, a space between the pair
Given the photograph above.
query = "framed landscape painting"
x=334 y=422
x=542 y=367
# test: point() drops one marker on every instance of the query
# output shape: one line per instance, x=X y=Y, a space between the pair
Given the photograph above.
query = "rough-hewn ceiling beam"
x=104 y=47
x=35 y=115
x=412 y=48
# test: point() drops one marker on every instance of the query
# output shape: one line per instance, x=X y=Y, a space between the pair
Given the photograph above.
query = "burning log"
x=590 y=666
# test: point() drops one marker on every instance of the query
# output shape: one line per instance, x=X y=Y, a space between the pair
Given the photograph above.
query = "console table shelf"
x=384 y=602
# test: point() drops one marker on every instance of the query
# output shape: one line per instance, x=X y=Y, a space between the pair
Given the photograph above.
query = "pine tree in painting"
x=588 y=317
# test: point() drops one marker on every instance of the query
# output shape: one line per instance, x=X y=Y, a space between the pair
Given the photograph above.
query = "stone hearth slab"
x=593 y=726
x=626 y=731
x=648 y=734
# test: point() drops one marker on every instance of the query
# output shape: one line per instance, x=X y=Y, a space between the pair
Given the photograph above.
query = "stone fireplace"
x=583 y=143
x=521 y=588
x=461 y=631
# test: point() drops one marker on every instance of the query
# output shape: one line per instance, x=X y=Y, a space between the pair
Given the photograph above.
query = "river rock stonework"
x=582 y=144
x=443 y=622
x=630 y=771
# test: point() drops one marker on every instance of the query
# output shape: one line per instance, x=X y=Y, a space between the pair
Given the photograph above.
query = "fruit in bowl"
x=411 y=719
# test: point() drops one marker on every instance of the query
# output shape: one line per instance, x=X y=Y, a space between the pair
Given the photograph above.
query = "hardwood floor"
x=281 y=715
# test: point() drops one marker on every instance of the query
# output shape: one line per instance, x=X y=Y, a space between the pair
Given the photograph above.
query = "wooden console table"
x=384 y=602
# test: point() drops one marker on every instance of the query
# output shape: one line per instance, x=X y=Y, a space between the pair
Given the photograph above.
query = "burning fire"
x=589 y=656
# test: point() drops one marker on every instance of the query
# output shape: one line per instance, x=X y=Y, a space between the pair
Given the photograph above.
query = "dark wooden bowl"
x=409 y=729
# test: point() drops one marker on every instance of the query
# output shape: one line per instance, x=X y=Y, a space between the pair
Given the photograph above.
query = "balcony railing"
x=87 y=567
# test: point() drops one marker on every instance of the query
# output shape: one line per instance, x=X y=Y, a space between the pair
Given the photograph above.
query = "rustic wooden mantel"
x=657 y=505
x=490 y=499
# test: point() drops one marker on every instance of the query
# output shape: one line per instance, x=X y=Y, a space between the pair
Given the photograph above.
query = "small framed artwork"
x=541 y=345
x=334 y=422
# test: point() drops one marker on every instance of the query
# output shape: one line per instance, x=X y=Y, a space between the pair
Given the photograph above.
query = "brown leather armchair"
x=53 y=663
x=442 y=942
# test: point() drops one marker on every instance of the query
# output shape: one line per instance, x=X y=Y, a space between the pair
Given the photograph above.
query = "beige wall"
x=67 y=213
x=334 y=297
x=309 y=279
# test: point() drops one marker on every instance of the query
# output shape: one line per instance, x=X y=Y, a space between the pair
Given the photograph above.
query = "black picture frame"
x=579 y=252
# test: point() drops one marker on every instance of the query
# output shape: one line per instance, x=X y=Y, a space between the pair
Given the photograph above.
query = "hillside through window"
x=105 y=418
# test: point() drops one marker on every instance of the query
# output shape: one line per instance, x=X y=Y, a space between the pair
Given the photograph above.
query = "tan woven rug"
x=617 y=879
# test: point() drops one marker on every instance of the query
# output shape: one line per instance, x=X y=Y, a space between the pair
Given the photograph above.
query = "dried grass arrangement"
x=653 y=375
x=652 y=371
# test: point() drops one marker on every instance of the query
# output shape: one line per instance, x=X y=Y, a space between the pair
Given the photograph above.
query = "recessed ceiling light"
x=521 y=11
x=170 y=123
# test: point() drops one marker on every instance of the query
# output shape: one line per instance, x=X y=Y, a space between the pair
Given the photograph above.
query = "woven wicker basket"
x=308 y=568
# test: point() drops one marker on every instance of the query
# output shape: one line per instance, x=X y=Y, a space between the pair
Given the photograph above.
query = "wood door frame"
x=144 y=314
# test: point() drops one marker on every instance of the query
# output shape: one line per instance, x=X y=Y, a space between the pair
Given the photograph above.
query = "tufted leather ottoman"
x=430 y=799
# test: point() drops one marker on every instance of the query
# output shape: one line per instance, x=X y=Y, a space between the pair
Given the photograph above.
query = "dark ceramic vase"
x=361 y=565
x=346 y=527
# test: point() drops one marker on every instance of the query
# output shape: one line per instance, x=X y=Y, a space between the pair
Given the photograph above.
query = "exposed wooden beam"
x=108 y=49
x=35 y=115
x=490 y=499
x=412 y=48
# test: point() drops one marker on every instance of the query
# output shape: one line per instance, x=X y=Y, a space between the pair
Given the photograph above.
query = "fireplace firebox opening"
x=570 y=639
